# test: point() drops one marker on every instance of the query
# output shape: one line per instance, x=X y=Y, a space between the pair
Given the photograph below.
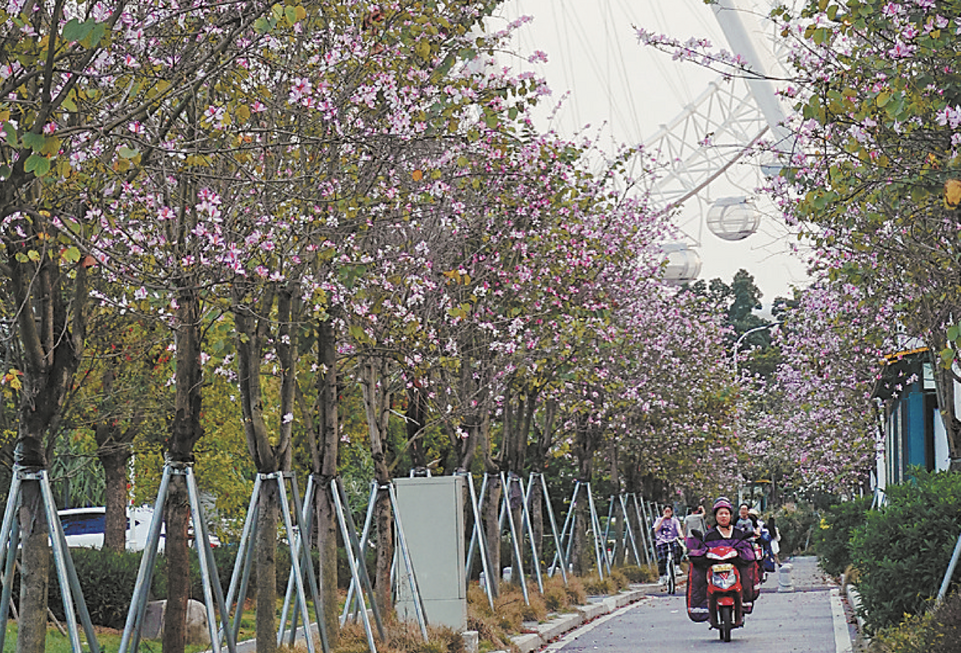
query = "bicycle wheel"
x=671 y=574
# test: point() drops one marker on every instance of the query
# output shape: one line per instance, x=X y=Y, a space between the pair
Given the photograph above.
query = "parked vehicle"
x=84 y=527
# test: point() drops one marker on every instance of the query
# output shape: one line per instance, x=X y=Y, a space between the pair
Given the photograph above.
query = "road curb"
x=562 y=624
x=854 y=599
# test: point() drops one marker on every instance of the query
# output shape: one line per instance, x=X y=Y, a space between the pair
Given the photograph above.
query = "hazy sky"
x=625 y=92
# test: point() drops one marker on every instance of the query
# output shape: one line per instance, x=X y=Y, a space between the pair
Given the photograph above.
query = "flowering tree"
x=877 y=97
x=818 y=414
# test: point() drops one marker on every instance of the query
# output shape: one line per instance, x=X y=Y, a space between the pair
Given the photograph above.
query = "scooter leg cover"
x=750 y=582
x=697 y=609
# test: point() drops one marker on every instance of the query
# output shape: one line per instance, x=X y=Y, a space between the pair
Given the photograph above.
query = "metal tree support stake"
x=629 y=530
x=553 y=522
x=619 y=501
x=208 y=568
x=478 y=536
x=570 y=521
x=353 y=603
x=518 y=556
x=301 y=564
x=564 y=545
x=358 y=569
x=66 y=572
x=354 y=591
x=600 y=548
x=417 y=600
x=950 y=571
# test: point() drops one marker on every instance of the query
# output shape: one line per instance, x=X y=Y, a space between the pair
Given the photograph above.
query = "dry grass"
x=401 y=638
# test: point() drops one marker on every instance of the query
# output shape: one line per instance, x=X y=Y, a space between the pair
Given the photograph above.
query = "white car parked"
x=84 y=527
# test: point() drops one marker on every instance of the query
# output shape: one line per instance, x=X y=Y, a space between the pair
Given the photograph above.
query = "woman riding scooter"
x=723 y=534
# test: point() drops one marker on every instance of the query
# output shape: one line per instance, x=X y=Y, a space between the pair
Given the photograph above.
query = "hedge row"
x=901 y=552
x=108 y=580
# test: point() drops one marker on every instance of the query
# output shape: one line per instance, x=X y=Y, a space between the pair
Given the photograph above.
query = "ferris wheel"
x=709 y=170
x=713 y=135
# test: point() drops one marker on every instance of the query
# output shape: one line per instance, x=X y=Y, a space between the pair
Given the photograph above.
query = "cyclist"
x=667 y=530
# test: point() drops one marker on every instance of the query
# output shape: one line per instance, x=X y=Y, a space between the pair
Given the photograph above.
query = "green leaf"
x=128 y=153
x=34 y=141
x=10 y=135
x=954 y=332
x=947 y=357
x=96 y=34
x=261 y=25
x=74 y=30
x=38 y=165
x=71 y=255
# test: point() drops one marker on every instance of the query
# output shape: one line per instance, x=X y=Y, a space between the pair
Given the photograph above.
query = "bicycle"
x=672 y=566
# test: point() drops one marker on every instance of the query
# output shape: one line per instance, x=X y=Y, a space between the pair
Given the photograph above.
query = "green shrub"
x=937 y=630
x=902 y=551
x=107 y=580
x=832 y=537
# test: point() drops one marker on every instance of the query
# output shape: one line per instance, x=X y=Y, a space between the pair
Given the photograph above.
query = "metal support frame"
x=478 y=537
x=600 y=550
x=419 y=611
x=620 y=500
x=208 y=567
x=563 y=552
x=306 y=564
x=301 y=564
x=66 y=572
x=358 y=569
x=353 y=601
x=646 y=524
x=515 y=542
x=553 y=522
x=946 y=582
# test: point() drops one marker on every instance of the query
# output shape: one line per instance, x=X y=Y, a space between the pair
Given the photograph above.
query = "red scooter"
x=726 y=611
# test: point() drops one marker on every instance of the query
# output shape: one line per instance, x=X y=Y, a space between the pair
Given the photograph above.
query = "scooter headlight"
x=723 y=579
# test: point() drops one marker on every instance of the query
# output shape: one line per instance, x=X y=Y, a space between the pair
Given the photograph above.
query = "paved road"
x=804 y=622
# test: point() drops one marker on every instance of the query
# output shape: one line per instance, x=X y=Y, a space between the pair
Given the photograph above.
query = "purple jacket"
x=697 y=609
x=698 y=549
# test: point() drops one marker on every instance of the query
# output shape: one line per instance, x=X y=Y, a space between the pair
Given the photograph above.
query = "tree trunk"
x=113 y=457
x=492 y=529
x=325 y=464
x=536 y=515
x=377 y=406
x=321 y=425
x=185 y=431
x=586 y=441
x=177 y=512
x=267 y=568
x=51 y=344
x=945 y=389
x=619 y=548
x=415 y=420
x=385 y=551
x=35 y=563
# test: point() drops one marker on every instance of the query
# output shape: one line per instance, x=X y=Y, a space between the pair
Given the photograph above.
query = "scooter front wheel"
x=727 y=622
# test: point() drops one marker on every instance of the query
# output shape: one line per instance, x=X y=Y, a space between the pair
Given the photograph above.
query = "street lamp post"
x=737 y=343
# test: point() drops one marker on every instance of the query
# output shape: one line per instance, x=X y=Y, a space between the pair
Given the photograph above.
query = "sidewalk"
x=538 y=634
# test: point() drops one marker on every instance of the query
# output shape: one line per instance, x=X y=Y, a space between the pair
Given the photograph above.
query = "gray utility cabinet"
x=432 y=514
